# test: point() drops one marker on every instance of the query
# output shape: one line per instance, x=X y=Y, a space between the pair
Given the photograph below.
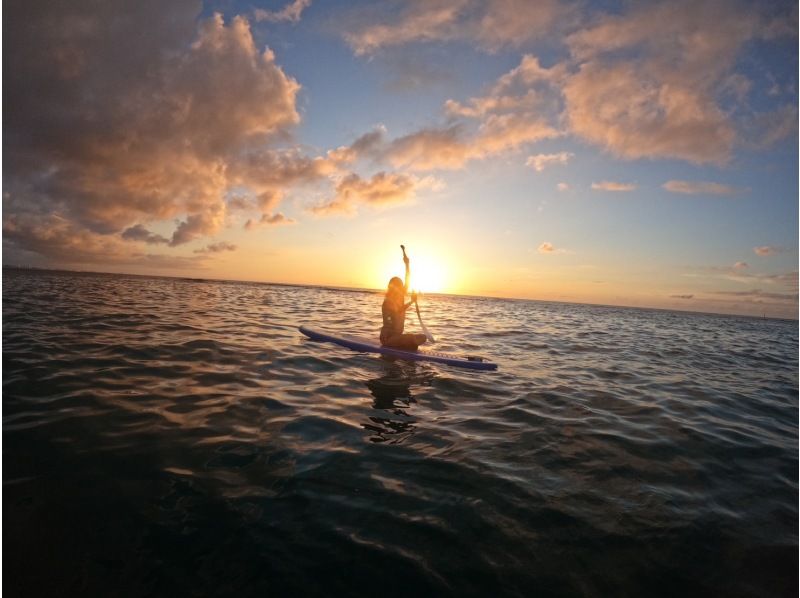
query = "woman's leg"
x=406 y=342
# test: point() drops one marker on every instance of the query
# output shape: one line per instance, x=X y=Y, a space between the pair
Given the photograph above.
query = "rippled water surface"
x=182 y=438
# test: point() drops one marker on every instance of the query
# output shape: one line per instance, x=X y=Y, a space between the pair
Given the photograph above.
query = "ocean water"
x=169 y=437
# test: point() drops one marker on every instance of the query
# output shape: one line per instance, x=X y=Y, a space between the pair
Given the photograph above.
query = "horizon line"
x=376 y=290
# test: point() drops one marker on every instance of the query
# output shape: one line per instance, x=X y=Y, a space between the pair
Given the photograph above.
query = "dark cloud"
x=140 y=233
x=217 y=247
x=58 y=240
x=268 y=220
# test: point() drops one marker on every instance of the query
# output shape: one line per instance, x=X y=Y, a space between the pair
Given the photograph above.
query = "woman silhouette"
x=394 y=313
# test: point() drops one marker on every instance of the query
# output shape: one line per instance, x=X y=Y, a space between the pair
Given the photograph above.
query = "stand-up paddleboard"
x=373 y=346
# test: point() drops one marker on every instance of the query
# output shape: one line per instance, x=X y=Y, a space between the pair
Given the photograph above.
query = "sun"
x=428 y=273
x=428 y=277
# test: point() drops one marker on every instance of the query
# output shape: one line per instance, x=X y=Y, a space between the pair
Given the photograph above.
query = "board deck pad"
x=359 y=343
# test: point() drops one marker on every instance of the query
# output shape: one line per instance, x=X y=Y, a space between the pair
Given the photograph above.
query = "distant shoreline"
x=375 y=291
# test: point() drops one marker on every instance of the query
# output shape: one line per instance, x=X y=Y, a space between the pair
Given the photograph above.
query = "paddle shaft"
x=427 y=333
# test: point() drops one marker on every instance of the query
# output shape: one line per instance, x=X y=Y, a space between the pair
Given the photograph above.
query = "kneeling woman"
x=394 y=315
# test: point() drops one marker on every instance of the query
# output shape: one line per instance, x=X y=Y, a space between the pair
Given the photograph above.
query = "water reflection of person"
x=392 y=395
x=394 y=314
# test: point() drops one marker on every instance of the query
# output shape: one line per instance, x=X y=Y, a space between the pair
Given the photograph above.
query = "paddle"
x=425 y=330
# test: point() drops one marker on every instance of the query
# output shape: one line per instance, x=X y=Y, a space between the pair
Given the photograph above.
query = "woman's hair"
x=395 y=285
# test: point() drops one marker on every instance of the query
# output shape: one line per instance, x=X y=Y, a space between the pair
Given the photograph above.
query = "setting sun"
x=428 y=277
x=429 y=274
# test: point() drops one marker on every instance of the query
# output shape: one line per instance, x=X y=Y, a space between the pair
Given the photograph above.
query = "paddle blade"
x=425 y=330
x=427 y=333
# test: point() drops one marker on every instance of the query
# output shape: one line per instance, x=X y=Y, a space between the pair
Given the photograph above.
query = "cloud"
x=703 y=188
x=451 y=147
x=59 y=240
x=291 y=12
x=269 y=172
x=502 y=132
x=612 y=186
x=682 y=296
x=140 y=233
x=217 y=247
x=768 y=128
x=420 y=21
x=653 y=81
x=540 y=161
x=528 y=87
x=547 y=248
x=430 y=149
x=757 y=295
x=381 y=190
x=198 y=225
x=767 y=250
x=493 y=24
x=407 y=73
x=366 y=146
x=740 y=273
x=268 y=220
x=515 y=22
x=115 y=118
x=634 y=113
x=656 y=80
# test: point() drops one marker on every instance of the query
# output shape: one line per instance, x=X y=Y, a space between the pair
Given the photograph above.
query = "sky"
x=623 y=153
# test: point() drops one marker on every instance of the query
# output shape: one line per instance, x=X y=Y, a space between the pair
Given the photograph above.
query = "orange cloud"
x=666 y=102
x=291 y=12
x=612 y=186
x=381 y=190
x=634 y=113
x=514 y=22
x=767 y=250
x=502 y=132
x=656 y=80
x=548 y=248
x=696 y=187
x=423 y=20
x=430 y=149
x=452 y=147
x=540 y=161
x=493 y=24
